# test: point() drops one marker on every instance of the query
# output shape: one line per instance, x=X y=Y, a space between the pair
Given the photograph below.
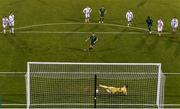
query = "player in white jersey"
x=4 y=24
x=129 y=17
x=11 y=23
x=160 y=26
x=174 y=24
x=87 y=11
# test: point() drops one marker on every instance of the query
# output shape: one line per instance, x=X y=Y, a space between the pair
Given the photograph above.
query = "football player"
x=115 y=90
x=87 y=12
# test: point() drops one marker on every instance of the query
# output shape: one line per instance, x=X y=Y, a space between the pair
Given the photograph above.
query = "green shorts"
x=101 y=15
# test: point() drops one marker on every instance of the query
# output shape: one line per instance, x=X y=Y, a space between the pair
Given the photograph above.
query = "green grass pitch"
x=129 y=45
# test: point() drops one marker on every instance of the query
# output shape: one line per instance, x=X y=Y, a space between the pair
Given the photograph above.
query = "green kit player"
x=93 y=39
x=102 y=12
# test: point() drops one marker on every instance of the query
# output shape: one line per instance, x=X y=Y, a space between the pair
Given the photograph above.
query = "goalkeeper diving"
x=115 y=90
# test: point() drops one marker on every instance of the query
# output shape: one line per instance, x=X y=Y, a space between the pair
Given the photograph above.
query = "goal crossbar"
x=80 y=63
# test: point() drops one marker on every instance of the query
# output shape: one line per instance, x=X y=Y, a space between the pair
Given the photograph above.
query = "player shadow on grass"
x=95 y=27
x=142 y=3
x=13 y=3
x=143 y=44
x=75 y=49
x=18 y=45
x=177 y=51
x=78 y=28
x=43 y=2
x=107 y=50
x=172 y=40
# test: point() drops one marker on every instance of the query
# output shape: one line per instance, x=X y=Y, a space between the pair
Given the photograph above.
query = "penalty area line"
x=78 y=23
x=61 y=32
x=104 y=24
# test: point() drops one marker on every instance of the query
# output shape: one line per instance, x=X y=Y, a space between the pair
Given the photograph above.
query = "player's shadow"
x=74 y=49
x=177 y=51
x=43 y=2
x=78 y=28
x=174 y=39
x=143 y=44
x=20 y=45
x=170 y=40
x=14 y=2
x=118 y=36
x=141 y=3
x=93 y=28
x=107 y=50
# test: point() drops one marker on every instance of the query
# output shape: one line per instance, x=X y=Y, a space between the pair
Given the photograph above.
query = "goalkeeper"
x=115 y=90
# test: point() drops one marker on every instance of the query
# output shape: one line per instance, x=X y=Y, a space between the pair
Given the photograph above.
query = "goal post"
x=77 y=85
x=27 y=78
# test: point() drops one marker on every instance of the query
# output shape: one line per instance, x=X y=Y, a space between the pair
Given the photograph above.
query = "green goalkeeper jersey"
x=102 y=11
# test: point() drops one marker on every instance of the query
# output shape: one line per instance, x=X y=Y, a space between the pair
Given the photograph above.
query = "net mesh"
x=72 y=85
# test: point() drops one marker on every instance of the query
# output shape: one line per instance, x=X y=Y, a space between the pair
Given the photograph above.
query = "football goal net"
x=94 y=85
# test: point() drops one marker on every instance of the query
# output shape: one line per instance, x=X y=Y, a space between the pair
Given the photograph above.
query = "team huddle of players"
x=8 y=21
x=129 y=16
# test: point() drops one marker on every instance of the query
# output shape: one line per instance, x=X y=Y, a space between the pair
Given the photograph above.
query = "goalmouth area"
x=75 y=85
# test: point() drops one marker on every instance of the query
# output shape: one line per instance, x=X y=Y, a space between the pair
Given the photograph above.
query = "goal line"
x=88 y=104
x=1 y=73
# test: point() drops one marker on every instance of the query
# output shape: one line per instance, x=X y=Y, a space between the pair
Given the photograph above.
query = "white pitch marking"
x=106 y=24
x=59 y=32
x=85 y=104
x=168 y=73
x=12 y=72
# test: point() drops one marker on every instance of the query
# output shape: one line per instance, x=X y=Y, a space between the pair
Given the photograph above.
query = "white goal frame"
x=160 y=91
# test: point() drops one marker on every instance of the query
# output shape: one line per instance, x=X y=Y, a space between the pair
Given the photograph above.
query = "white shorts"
x=160 y=29
x=11 y=23
x=174 y=26
x=87 y=15
x=4 y=25
x=129 y=19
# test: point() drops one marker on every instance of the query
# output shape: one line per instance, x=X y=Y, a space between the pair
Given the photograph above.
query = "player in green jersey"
x=93 y=39
x=102 y=12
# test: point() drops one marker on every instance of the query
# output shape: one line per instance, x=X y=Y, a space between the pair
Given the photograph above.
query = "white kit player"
x=129 y=17
x=5 y=22
x=174 y=24
x=11 y=23
x=87 y=11
x=160 y=26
